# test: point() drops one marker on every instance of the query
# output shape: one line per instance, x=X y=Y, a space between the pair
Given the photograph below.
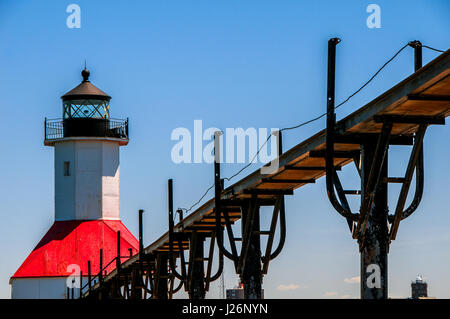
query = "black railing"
x=86 y=127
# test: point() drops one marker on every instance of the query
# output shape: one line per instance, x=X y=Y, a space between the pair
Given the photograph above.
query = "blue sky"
x=231 y=64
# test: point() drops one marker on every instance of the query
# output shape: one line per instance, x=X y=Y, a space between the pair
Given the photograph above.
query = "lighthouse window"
x=66 y=168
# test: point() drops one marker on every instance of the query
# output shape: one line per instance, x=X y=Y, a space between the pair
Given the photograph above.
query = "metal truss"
x=373 y=227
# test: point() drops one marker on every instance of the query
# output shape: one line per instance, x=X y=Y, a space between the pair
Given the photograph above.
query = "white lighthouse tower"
x=87 y=198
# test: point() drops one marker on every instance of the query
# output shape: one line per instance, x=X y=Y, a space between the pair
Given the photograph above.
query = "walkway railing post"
x=196 y=267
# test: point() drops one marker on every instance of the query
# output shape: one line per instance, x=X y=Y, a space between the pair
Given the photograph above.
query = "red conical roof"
x=76 y=242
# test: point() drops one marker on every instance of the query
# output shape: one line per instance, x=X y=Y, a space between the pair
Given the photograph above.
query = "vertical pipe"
x=331 y=121
x=89 y=275
x=100 y=272
x=218 y=187
x=141 y=242
x=163 y=290
x=197 y=282
x=118 y=252
x=417 y=55
x=374 y=247
x=282 y=208
x=331 y=115
x=217 y=183
x=141 y=238
x=251 y=274
x=171 y=223
x=81 y=284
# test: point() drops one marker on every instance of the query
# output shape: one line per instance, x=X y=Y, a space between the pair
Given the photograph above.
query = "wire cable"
x=196 y=203
x=373 y=76
x=311 y=120
x=437 y=50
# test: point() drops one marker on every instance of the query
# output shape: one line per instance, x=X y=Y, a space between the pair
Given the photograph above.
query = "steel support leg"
x=374 y=245
x=162 y=291
x=196 y=269
x=251 y=274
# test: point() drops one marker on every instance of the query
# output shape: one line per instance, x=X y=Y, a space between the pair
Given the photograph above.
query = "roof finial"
x=85 y=73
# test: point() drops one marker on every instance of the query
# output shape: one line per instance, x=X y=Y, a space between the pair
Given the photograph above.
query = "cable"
x=304 y=123
x=251 y=162
x=437 y=50
x=312 y=120
x=196 y=203
x=373 y=76
x=322 y=115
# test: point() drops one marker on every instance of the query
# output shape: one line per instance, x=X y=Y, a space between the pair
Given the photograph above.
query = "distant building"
x=419 y=288
x=235 y=293
x=238 y=292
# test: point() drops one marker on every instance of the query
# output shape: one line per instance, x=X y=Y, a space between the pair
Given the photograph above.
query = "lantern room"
x=85 y=114
x=86 y=101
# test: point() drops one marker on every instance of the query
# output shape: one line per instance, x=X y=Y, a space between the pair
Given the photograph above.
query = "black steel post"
x=218 y=187
x=163 y=291
x=420 y=162
x=375 y=243
x=100 y=272
x=89 y=275
x=417 y=55
x=330 y=134
x=139 y=280
x=116 y=290
x=251 y=273
x=171 y=222
x=141 y=238
x=81 y=284
x=197 y=272
x=118 y=252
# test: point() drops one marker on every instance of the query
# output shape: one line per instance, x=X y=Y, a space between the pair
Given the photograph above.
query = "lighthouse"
x=87 y=226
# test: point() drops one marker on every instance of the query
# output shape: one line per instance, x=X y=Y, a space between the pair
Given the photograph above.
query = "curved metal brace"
x=182 y=277
x=419 y=187
x=417 y=45
x=148 y=281
x=210 y=278
x=219 y=269
x=218 y=187
x=282 y=232
x=330 y=184
x=343 y=198
x=172 y=265
x=412 y=164
x=331 y=121
x=220 y=244
x=417 y=193
x=180 y=285
x=247 y=232
x=146 y=290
